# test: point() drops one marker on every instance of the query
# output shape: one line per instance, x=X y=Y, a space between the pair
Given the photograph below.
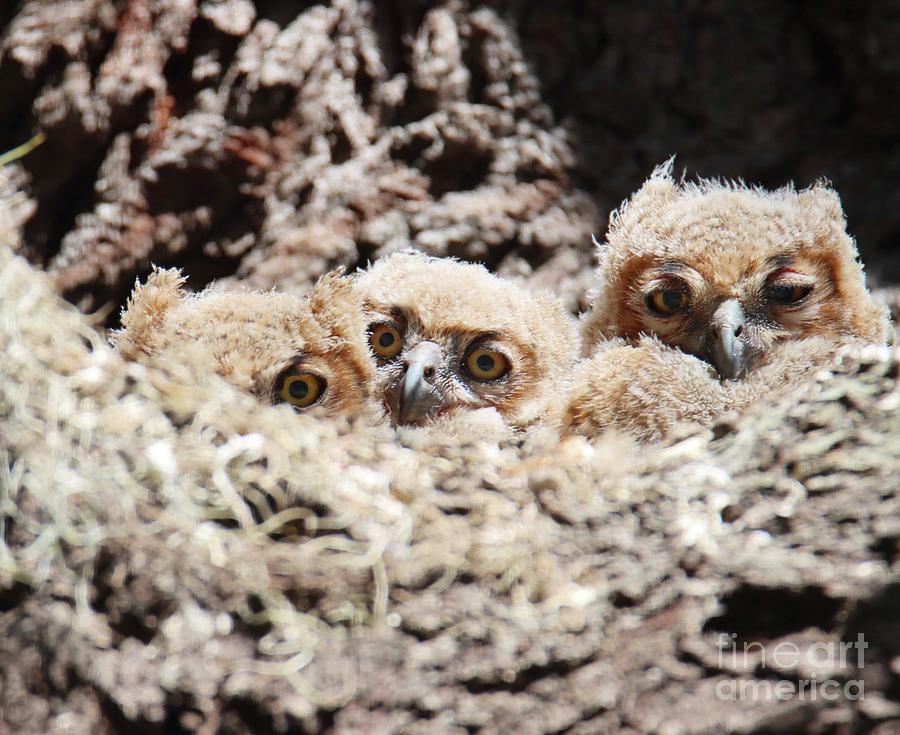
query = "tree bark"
x=549 y=590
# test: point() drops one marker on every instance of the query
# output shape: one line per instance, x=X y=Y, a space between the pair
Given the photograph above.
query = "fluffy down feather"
x=443 y=312
x=646 y=389
x=257 y=341
x=730 y=234
x=715 y=293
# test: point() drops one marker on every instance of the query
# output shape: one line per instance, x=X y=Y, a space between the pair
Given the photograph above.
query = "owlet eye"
x=484 y=364
x=385 y=340
x=666 y=301
x=300 y=389
x=787 y=294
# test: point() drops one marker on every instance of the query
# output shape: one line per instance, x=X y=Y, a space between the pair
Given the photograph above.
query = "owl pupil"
x=386 y=339
x=485 y=363
x=299 y=389
x=672 y=299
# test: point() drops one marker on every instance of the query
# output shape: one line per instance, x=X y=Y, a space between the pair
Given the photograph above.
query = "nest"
x=172 y=551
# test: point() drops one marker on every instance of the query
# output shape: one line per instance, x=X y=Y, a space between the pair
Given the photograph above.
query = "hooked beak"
x=725 y=349
x=417 y=398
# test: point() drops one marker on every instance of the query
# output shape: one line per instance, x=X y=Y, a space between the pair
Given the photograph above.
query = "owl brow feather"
x=481 y=336
x=395 y=316
x=780 y=261
x=672 y=267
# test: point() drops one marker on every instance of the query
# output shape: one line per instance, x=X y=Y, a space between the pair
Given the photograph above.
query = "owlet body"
x=718 y=293
x=310 y=353
x=450 y=336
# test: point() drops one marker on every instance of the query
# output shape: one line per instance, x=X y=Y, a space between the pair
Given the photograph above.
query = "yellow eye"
x=385 y=340
x=666 y=301
x=485 y=364
x=301 y=390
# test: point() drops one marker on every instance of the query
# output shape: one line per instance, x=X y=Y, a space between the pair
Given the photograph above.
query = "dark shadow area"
x=770 y=92
x=758 y=613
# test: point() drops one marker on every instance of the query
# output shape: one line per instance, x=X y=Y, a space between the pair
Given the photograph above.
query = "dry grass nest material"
x=257 y=515
x=171 y=508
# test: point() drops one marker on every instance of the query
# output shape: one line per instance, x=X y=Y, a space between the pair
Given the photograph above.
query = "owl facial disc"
x=725 y=346
x=417 y=398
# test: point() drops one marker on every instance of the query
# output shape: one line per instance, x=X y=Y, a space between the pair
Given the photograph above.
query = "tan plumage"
x=647 y=388
x=718 y=293
x=279 y=347
x=456 y=337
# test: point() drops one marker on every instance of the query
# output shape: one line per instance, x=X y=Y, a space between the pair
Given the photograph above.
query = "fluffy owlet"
x=449 y=336
x=710 y=286
x=310 y=353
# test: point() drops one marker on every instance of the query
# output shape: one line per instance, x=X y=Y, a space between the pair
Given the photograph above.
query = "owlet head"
x=724 y=271
x=450 y=336
x=309 y=353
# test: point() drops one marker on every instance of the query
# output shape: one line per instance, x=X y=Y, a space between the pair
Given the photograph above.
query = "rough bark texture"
x=271 y=141
x=423 y=584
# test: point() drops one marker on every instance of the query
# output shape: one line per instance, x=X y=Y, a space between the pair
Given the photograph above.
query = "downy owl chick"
x=310 y=353
x=716 y=275
x=450 y=336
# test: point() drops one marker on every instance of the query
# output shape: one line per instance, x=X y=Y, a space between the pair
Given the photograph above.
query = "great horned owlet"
x=450 y=336
x=717 y=293
x=310 y=353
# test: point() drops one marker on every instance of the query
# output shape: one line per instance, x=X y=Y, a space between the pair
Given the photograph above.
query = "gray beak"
x=417 y=398
x=726 y=349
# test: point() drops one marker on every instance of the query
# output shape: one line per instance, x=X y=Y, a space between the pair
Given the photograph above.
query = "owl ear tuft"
x=660 y=188
x=822 y=205
x=664 y=170
x=337 y=305
x=145 y=314
x=657 y=191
